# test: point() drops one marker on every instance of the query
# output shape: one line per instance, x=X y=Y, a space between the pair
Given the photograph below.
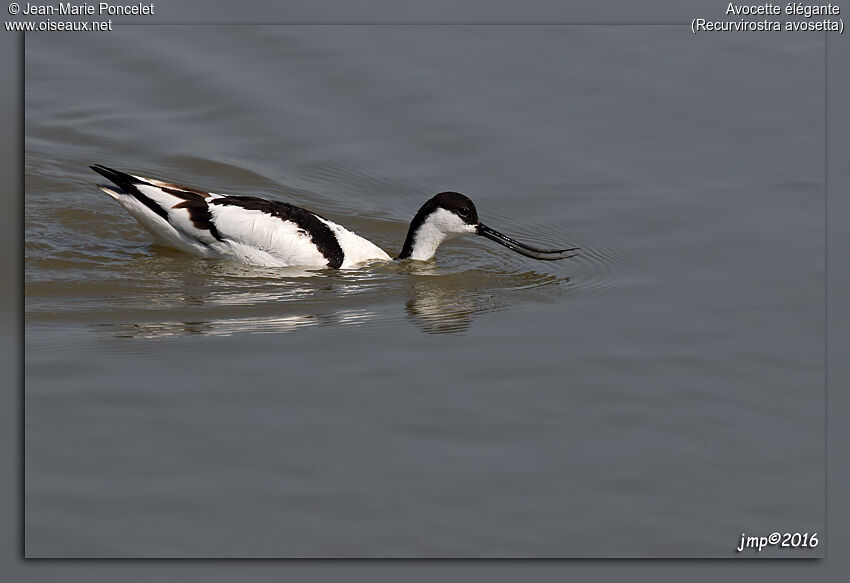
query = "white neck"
x=428 y=237
x=438 y=227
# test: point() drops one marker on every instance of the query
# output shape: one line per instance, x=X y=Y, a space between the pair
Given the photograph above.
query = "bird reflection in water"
x=233 y=326
x=224 y=298
x=447 y=303
x=437 y=310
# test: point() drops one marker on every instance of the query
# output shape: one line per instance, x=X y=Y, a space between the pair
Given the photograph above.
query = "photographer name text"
x=98 y=9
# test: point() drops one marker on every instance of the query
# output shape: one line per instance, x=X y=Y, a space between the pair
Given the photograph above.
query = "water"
x=657 y=395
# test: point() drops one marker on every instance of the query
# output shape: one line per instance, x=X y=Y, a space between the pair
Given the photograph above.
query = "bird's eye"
x=464 y=213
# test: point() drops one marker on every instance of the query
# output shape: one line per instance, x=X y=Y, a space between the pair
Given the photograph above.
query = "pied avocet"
x=265 y=232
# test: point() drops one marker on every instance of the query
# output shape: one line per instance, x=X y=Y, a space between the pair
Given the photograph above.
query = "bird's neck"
x=423 y=237
x=423 y=242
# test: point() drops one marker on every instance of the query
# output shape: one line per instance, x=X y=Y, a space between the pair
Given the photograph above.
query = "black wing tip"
x=122 y=179
x=101 y=169
x=127 y=184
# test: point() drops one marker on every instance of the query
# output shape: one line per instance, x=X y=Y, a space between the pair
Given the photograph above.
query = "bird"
x=270 y=233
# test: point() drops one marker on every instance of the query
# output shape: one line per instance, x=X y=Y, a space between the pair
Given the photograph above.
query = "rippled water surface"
x=656 y=395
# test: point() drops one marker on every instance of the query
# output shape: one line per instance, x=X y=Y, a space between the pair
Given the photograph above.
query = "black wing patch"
x=199 y=210
x=322 y=236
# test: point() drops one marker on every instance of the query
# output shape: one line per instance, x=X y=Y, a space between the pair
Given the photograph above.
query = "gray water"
x=657 y=395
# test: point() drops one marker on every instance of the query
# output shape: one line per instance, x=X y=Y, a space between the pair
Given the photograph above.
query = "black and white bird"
x=265 y=232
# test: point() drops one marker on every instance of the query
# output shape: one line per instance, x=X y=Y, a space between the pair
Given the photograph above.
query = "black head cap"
x=453 y=202
x=457 y=203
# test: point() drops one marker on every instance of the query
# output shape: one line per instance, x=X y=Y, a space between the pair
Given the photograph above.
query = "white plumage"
x=226 y=226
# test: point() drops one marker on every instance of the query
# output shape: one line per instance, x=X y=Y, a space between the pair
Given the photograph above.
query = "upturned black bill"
x=522 y=248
